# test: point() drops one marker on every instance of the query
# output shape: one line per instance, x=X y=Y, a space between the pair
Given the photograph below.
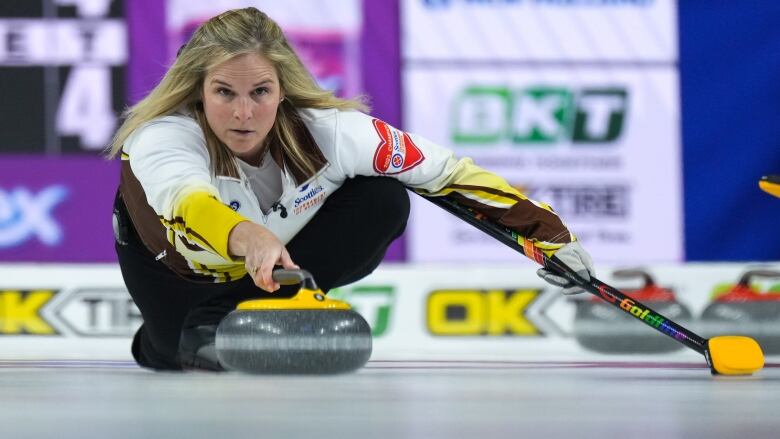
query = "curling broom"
x=726 y=355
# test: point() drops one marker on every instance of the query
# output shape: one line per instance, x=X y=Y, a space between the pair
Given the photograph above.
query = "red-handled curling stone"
x=306 y=334
x=601 y=327
x=742 y=309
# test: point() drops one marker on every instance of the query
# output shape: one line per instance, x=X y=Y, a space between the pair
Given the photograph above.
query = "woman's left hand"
x=576 y=258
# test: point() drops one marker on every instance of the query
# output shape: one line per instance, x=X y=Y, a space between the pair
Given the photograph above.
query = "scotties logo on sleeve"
x=396 y=152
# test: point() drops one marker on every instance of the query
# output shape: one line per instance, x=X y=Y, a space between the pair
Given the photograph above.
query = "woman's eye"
x=224 y=92
x=261 y=90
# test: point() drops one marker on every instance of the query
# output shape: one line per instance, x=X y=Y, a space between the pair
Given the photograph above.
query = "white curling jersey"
x=184 y=213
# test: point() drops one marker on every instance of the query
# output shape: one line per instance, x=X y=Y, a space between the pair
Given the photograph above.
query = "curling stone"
x=601 y=327
x=306 y=334
x=742 y=309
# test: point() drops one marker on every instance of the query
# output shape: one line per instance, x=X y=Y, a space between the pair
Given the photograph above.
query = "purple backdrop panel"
x=57 y=209
x=148 y=51
x=380 y=57
x=380 y=62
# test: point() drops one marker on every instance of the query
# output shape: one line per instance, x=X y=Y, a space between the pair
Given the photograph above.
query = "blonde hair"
x=224 y=37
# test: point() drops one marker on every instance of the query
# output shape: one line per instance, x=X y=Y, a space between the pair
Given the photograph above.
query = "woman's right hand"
x=261 y=250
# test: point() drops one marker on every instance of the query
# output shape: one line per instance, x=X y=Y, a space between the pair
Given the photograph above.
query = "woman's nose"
x=243 y=109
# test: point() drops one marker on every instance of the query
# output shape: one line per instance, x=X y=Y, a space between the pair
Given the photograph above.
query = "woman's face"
x=240 y=98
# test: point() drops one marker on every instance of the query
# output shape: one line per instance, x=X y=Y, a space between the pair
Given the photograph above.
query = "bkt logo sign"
x=24 y=215
x=539 y=115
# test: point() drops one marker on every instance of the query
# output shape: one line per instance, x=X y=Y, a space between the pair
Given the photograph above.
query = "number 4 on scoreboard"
x=85 y=107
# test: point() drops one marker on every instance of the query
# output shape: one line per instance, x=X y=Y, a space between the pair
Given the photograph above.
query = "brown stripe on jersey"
x=190 y=247
x=216 y=273
x=489 y=190
x=525 y=218
x=149 y=228
x=187 y=230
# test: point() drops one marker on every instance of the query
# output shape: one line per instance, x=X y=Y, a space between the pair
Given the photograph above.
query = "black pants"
x=345 y=241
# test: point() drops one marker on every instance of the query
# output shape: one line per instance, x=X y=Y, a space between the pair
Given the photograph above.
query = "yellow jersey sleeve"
x=201 y=222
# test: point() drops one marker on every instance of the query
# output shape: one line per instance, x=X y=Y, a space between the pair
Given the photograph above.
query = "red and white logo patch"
x=396 y=152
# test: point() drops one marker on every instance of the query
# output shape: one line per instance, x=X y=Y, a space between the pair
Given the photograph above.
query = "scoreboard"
x=62 y=74
x=62 y=88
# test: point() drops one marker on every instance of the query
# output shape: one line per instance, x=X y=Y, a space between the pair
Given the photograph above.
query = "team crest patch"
x=396 y=152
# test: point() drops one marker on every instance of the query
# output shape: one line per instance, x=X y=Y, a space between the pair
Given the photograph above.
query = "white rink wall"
x=425 y=312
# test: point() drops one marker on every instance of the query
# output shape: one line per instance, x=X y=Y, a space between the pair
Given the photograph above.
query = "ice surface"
x=391 y=399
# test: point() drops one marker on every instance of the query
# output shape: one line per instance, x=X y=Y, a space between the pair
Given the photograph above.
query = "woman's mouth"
x=242 y=132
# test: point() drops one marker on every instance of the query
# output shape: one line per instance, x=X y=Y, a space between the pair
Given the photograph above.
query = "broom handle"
x=594 y=286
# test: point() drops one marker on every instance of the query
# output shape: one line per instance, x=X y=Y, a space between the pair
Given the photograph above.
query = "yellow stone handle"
x=308 y=297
